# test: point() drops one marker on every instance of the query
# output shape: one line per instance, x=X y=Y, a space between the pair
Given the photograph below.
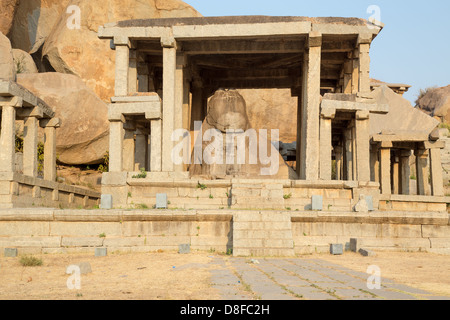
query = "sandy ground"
x=172 y=276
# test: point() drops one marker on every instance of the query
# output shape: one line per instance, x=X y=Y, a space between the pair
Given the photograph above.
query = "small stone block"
x=317 y=203
x=366 y=253
x=184 y=248
x=106 y=202
x=101 y=252
x=10 y=252
x=347 y=246
x=354 y=245
x=161 y=201
x=337 y=249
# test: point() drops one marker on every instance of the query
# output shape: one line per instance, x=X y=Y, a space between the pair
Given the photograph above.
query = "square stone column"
x=374 y=164
x=122 y=45
x=181 y=105
x=355 y=72
x=199 y=101
x=143 y=77
x=30 y=142
x=405 y=172
x=50 y=126
x=116 y=135
x=326 y=146
x=132 y=72
x=423 y=187
x=362 y=146
x=338 y=151
x=156 y=146
x=169 y=101
x=348 y=71
x=395 y=162
x=7 y=139
x=437 y=183
x=385 y=168
x=141 y=150
x=128 y=146
x=311 y=108
x=348 y=141
x=364 y=41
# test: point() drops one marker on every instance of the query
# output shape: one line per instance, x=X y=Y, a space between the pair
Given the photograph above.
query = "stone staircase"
x=262 y=234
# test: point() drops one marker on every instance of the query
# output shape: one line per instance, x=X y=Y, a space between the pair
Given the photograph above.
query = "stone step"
x=262 y=234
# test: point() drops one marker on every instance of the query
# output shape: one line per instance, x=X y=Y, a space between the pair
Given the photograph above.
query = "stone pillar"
x=128 y=146
x=364 y=41
x=405 y=172
x=50 y=148
x=311 y=108
x=362 y=146
x=8 y=139
x=374 y=164
x=30 y=142
x=299 y=149
x=198 y=108
x=326 y=146
x=338 y=151
x=141 y=150
x=116 y=134
x=143 y=77
x=385 y=168
x=423 y=187
x=355 y=72
x=122 y=45
x=156 y=147
x=169 y=101
x=437 y=183
x=132 y=73
x=181 y=62
x=348 y=154
x=348 y=71
x=395 y=162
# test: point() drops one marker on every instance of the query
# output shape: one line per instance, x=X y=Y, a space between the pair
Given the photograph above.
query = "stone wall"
x=81 y=231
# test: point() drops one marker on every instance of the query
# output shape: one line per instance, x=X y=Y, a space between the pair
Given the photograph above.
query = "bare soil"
x=172 y=276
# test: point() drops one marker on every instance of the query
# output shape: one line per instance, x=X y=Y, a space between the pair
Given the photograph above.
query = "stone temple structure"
x=175 y=106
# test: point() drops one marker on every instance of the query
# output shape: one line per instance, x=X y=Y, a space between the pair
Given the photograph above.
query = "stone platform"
x=284 y=233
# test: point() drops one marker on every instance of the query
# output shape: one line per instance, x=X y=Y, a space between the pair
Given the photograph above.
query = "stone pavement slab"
x=299 y=279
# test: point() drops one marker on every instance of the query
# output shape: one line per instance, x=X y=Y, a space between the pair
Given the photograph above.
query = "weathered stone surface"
x=23 y=62
x=402 y=116
x=33 y=21
x=7 y=69
x=227 y=111
x=81 y=52
x=263 y=115
x=84 y=133
x=7 y=11
x=436 y=103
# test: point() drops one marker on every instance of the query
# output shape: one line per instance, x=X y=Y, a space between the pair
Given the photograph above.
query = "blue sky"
x=413 y=48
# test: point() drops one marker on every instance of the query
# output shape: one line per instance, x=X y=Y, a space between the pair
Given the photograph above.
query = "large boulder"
x=402 y=116
x=84 y=134
x=7 y=68
x=7 y=11
x=23 y=62
x=33 y=22
x=436 y=103
x=81 y=52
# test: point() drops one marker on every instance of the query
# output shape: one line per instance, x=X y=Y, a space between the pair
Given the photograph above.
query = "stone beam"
x=151 y=110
